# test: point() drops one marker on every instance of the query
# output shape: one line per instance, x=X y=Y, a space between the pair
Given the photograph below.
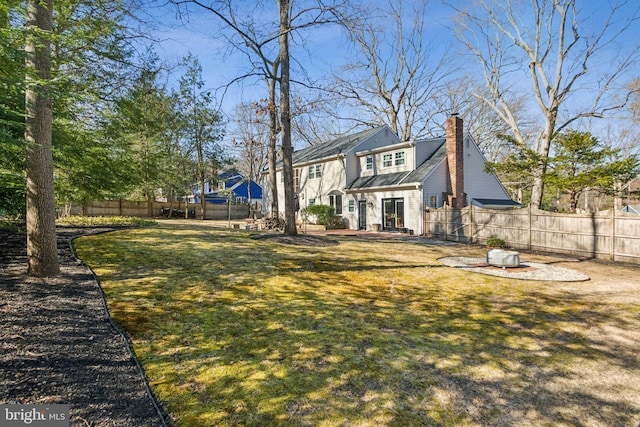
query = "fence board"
x=605 y=235
x=145 y=209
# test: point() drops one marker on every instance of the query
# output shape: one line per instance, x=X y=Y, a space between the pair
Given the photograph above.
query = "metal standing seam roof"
x=416 y=176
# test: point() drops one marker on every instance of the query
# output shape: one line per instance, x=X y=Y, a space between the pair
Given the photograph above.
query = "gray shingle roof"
x=383 y=180
x=416 y=176
x=332 y=148
x=425 y=169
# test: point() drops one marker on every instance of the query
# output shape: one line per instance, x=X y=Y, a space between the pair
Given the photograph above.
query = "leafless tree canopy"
x=396 y=74
x=570 y=72
x=250 y=140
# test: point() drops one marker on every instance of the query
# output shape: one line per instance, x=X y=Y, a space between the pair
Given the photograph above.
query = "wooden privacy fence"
x=607 y=235
x=150 y=209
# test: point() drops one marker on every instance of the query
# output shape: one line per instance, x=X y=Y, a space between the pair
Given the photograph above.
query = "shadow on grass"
x=234 y=331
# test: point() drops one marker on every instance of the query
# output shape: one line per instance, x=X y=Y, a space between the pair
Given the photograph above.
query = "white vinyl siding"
x=479 y=184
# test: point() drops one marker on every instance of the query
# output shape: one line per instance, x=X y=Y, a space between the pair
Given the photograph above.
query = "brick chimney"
x=455 y=160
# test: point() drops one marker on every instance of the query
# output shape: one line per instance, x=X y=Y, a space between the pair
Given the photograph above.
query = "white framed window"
x=335 y=201
x=312 y=201
x=399 y=158
x=315 y=171
x=387 y=160
x=369 y=163
x=351 y=207
x=281 y=176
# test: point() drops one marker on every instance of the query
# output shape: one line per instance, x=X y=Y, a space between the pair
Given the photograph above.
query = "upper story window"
x=369 y=163
x=393 y=159
x=296 y=180
x=315 y=171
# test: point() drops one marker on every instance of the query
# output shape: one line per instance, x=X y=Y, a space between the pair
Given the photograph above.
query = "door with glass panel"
x=393 y=214
x=362 y=215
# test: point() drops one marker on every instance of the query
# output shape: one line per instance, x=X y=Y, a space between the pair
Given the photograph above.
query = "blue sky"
x=326 y=47
x=200 y=36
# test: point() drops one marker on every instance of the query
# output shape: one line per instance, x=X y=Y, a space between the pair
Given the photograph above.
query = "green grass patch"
x=103 y=221
x=241 y=332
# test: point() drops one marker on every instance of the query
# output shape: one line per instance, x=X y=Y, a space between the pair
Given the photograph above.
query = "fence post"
x=529 y=228
x=446 y=223
x=471 y=228
x=612 y=235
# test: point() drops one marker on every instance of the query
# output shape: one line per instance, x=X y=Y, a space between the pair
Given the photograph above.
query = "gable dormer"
x=392 y=158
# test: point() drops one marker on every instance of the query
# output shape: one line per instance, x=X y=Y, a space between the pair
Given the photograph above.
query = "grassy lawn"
x=243 y=332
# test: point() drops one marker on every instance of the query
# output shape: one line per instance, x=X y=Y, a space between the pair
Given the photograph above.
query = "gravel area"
x=58 y=345
x=525 y=271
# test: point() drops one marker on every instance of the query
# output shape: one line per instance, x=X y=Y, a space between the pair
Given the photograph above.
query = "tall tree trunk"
x=543 y=149
x=285 y=120
x=274 y=129
x=201 y=183
x=42 y=252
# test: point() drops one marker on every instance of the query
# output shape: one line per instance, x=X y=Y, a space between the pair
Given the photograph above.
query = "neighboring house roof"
x=416 y=176
x=495 y=203
x=332 y=148
x=237 y=184
x=632 y=209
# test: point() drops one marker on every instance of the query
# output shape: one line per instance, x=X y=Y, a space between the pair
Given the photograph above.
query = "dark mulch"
x=58 y=345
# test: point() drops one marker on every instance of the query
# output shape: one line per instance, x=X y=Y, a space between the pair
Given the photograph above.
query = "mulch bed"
x=58 y=345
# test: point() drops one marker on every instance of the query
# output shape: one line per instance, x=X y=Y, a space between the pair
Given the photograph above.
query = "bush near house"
x=324 y=215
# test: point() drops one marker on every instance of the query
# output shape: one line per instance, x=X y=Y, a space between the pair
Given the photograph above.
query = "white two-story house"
x=377 y=182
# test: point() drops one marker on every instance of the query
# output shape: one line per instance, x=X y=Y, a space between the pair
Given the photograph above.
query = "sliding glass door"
x=393 y=214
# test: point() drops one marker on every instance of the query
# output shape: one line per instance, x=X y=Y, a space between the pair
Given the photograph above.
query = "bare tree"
x=285 y=119
x=256 y=42
x=251 y=139
x=314 y=121
x=481 y=121
x=394 y=80
x=251 y=136
x=42 y=252
x=266 y=47
x=559 y=45
x=634 y=107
